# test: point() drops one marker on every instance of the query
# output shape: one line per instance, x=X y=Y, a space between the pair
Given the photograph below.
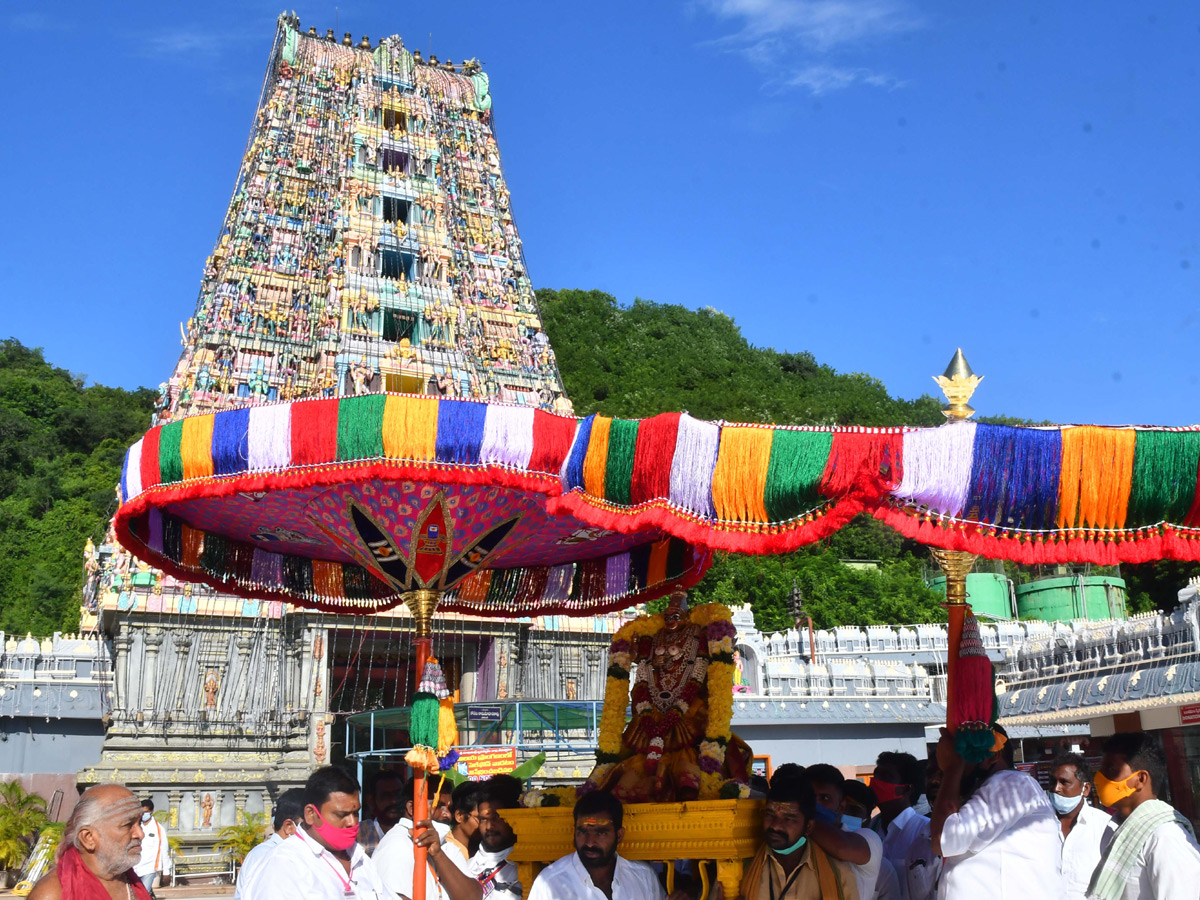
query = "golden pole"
x=421 y=605
x=958 y=383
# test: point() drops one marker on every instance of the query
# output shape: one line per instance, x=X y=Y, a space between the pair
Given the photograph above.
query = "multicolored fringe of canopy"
x=1062 y=494
x=598 y=493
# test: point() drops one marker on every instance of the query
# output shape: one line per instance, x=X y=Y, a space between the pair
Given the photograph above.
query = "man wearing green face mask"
x=789 y=866
x=1153 y=855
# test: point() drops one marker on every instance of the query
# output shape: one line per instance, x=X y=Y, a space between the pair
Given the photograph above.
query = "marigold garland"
x=717 y=653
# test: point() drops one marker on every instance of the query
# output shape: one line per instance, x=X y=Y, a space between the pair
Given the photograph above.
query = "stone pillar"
x=218 y=802
x=173 y=800
x=239 y=805
x=518 y=654
x=122 y=643
x=267 y=806
x=245 y=643
x=183 y=646
x=295 y=653
x=593 y=655
x=545 y=676
x=152 y=638
x=312 y=668
x=197 y=799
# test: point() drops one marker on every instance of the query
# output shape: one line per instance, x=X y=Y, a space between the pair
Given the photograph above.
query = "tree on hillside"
x=649 y=358
x=61 y=448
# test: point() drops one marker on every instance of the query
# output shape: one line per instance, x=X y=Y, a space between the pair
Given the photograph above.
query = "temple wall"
x=849 y=744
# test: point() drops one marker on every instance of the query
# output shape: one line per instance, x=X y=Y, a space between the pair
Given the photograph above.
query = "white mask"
x=1064 y=806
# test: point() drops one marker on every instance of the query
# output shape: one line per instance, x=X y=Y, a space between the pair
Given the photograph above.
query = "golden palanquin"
x=727 y=832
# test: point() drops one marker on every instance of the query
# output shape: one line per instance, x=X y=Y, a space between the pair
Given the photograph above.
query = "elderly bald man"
x=101 y=844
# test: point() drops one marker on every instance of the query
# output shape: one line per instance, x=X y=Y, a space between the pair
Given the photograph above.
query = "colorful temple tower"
x=370 y=244
x=369 y=247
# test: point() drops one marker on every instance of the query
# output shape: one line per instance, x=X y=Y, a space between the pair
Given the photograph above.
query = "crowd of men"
x=918 y=831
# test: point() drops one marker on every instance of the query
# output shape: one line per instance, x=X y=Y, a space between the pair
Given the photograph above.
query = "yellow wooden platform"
x=728 y=832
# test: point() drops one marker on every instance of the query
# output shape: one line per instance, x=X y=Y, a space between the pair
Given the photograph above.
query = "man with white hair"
x=101 y=843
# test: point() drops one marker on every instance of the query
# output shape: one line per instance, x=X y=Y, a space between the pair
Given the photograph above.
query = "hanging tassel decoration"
x=424 y=718
x=447 y=735
x=972 y=696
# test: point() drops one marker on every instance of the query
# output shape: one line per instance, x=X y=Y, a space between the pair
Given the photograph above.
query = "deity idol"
x=677 y=746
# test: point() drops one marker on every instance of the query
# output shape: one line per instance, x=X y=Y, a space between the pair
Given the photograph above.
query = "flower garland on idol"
x=714 y=667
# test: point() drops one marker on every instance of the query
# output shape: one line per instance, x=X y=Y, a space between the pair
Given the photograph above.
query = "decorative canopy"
x=346 y=504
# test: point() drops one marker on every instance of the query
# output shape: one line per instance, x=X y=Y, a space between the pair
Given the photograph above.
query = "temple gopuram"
x=369 y=247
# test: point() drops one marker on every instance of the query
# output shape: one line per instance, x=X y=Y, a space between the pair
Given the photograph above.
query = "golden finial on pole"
x=421 y=606
x=958 y=383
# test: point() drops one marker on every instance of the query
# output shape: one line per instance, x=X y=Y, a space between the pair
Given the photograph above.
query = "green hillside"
x=61 y=446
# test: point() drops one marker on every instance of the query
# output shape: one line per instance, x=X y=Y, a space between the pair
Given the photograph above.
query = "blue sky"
x=875 y=181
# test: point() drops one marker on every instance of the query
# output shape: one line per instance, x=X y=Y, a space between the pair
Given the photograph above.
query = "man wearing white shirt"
x=842 y=836
x=154 y=848
x=464 y=810
x=1085 y=830
x=595 y=871
x=1153 y=855
x=897 y=782
x=996 y=831
x=857 y=806
x=322 y=860
x=289 y=812
x=394 y=857
x=490 y=874
x=384 y=792
x=496 y=876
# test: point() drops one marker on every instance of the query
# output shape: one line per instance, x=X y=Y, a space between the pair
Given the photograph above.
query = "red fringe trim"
x=1079 y=545
x=749 y=538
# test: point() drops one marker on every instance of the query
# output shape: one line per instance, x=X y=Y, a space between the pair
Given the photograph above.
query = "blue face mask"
x=851 y=823
x=823 y=814
x=1064 y=806
x=792 y=849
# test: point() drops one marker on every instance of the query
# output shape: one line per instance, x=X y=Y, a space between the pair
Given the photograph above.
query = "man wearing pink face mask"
x=897 y=783
x=323 y=859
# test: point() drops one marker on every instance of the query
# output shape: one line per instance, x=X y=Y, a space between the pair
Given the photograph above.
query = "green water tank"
x=987 y=593
x=1065 y=597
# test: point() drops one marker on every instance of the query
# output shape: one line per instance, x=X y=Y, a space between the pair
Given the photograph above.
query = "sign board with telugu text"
x=478 y=763
x=484 y=713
